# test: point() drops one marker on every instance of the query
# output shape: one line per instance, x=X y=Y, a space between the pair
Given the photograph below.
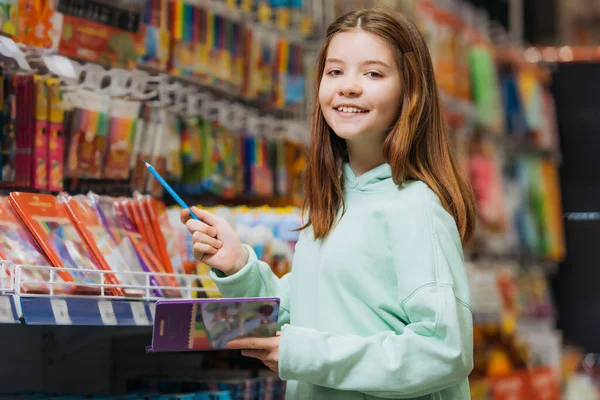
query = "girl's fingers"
x=199 y=237
x=205 y=216
x=184 y=215
x=201 y=249
x=272 y=365
x=260 y=354
x=199 y=226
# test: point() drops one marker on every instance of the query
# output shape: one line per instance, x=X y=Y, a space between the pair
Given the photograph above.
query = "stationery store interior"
x=115 y=115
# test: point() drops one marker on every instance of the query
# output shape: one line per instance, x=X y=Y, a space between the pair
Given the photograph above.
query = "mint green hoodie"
x=379 y=309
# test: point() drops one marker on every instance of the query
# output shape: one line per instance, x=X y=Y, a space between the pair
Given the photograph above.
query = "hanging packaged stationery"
x=37 y=25
x=486 y=178
x=296 y=162
x=445 y=70
x=89 y=33
x=218 y=168
x=548 y=138
x=142 y=147
x=282 y=70
x=465 y=37
x=295 y=82
x=530 y=90
x=9 y=17
x=237 y=68
x=553 y=212
x=121 y=231
x=515 y=114
x=484 y=86
x=160 y=149
x=8 y=143
x=250 y=50
x=173 y=134
x=214 y=28
x=268 y=44
x=24 y=129
x=260 y=174
x=525 y=218
x=121 y=135
x=183 y=45
x=21 y=166
x=89 y=140
x=191 y=126
x=227 y=48
x=88 y=220
x=201 y=52
x=237 y=132
x=57 y=237
x=40 y=166
x=156 y=34
x=17 y=245
x=230 y=155
x=191 y=142
x=56 y=135
x=279 y=164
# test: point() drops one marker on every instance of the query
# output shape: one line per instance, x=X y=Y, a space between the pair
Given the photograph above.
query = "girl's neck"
x=364 y=155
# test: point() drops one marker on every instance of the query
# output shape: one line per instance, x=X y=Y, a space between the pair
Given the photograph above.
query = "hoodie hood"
x=377 y=179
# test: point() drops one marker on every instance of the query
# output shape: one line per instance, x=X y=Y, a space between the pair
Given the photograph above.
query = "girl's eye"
x=334 y=72
x=373 y=74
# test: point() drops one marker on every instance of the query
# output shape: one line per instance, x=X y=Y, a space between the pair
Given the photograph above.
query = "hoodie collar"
x=371 y=180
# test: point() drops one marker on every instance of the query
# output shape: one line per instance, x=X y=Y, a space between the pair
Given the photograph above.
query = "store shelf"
x=70 y=310
x=9 y=313
x=101 y=309
x=8 y=309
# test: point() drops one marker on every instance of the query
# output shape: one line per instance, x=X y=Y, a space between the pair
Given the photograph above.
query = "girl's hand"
x=215 y=241
x=265 y=349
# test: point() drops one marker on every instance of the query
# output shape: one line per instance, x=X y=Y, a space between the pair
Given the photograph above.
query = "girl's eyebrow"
x=366 y=62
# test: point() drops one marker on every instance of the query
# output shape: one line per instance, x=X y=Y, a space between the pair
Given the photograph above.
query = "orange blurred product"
x=58 y=238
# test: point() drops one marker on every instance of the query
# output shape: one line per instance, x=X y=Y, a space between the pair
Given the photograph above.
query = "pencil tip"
x=146 y=162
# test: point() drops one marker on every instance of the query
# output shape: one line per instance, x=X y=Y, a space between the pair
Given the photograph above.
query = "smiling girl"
x=377 y=304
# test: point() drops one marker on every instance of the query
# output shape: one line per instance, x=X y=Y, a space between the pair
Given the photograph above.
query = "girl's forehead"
x=358 y=46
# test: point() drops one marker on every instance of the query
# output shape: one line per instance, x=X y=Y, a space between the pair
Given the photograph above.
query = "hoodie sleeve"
x=434 y=349
x=256 y=279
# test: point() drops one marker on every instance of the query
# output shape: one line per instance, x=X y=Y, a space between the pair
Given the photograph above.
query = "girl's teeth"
x=350 y=110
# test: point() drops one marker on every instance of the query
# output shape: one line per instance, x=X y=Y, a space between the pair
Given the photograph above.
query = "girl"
x=378 y=304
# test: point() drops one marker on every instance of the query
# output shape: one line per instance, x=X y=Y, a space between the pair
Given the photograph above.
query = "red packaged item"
x=53 y=231
x=89 y=225
x=124 y=234
x=18 y=246
x=144 y=234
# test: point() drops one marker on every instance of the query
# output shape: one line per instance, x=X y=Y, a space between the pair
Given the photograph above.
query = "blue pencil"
x=169 y=189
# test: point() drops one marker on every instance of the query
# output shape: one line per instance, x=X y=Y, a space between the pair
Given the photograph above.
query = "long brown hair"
x=417 y=146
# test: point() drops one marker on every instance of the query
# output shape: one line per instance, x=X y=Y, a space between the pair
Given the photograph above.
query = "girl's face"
x=360 y=91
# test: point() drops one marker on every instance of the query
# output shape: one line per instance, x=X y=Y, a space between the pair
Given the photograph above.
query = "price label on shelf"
x=61 y=312
x=107 y=313
x=6 y=313
x=139 y=313
x=152 y=309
